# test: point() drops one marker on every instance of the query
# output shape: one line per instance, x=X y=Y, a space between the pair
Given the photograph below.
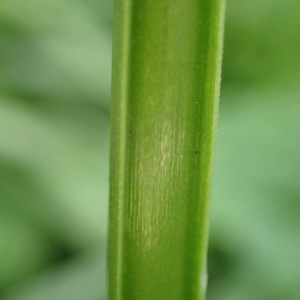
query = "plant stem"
x=165 y=91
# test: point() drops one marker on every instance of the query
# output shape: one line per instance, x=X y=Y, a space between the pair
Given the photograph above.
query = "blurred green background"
x=55 y=67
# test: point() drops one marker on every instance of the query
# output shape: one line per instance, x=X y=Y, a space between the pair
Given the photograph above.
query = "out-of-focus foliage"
x=55 y=59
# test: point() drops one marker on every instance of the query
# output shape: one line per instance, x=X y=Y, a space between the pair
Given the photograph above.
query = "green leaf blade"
x=164 y=108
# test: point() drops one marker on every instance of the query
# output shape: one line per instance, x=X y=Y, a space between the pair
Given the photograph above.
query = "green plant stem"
x=165 y=91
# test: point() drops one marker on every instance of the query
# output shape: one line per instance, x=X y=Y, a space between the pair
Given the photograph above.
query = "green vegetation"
x=166 y=76
x=54 y=144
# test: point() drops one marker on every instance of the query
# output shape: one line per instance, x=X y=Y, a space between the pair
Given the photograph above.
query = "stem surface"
x=165 y=92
